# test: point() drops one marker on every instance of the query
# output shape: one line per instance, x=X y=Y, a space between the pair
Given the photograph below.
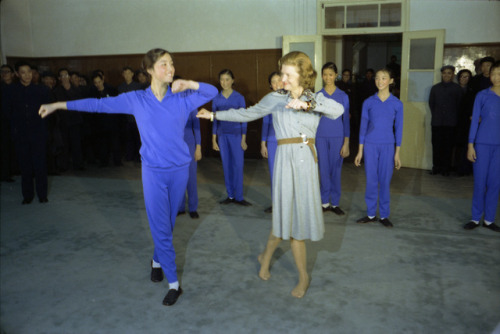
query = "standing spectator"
x=484 y=153
x=29 y=131
x=49 y=79
x=70 y=123
x=7 y=73
x=444 y=101
x=482 y=80
x=36 y=75
x=133 y=140
x=462 y=165
x=142 y=78
x=347 y=86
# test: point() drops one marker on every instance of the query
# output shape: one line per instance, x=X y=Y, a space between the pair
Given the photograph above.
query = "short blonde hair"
x=304 y=66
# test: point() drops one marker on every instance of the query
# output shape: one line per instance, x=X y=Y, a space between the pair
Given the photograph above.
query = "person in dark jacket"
x=444 y=102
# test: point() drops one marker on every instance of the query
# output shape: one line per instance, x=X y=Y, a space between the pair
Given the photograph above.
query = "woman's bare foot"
x=264 y=273
x=300 y=290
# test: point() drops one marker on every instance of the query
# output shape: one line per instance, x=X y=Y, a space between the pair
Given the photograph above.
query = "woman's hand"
x=344 y=151
x=47 y=109
x=471 y=153
x=397 y=161
x=297 y=105
x=359 y=156
x=181 y=85
x=263 y=149
x=197 y=153
x=215 y=146
x=204 y=113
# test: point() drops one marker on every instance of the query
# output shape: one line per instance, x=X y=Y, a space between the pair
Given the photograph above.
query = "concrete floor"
x=80 y=263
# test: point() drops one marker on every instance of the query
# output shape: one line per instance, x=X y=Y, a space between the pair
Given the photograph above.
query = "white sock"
x=371 y=217
x=477 y=222
x=325 y=205
x=156 y=264
x=382 y=218
x=487 y=223
x=174 y=285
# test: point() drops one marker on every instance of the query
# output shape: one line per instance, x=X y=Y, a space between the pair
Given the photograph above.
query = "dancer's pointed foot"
x=264 y=273
x=300 y=290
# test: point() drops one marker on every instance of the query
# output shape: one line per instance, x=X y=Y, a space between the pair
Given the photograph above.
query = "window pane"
x=362 y=16
x=422 y=53
x=419 y=86
x=334 y=17
x=390 y=15
x=306 y=47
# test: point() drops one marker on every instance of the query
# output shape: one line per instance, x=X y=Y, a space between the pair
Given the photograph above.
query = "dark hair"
x=388 y=71
x=22 y=63
x=347 y=70
x=330 y=65
x=96 y=75
x=98 y=71
x=448 y=67
x=271 y=76
x=61 y=70
x=7 y=66
x=494 y=66
x=463 y=71
x=305 y=69
x=370 y=70
x=48 y=74
x=127 y=68
x=226 y=71
x=74 y=73
x=152 y=56
x=487 y=60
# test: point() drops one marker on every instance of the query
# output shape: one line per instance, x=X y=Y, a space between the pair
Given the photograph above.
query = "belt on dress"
x=300 y=140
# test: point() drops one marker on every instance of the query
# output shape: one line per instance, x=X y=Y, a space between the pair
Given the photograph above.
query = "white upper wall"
x=45 y=28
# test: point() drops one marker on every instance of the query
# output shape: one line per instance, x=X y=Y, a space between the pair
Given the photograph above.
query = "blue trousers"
x=192 y=184
x=330 y=167
x=379 y=165
x=486 y=182
x=232 y=162
x=272 y=145
x=163 y=192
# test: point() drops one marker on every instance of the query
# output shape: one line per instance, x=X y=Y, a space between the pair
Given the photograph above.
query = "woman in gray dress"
x=296 y=112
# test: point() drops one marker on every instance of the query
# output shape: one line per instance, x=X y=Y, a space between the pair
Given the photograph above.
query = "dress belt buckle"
x=304 y=138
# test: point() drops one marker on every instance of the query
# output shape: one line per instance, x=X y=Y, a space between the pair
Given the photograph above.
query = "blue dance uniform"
x=165 y=156
x=269 y=136
x=485 y=135
x=381 y=128
x=192 y=137
x=229 y=140
x=329 y=141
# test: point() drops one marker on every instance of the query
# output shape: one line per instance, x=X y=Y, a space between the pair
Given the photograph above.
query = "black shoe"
x=172 y=296
x=325 y=209
x=492 y=227
x=227 y=201
x=445 y=173
x=194 y=214
x=337 y=210
x=386 y=222
x=181 y=213
x=471 y=225
x=366 y=219
x=44 y=200
x=243 y=203
x=269 y=209
x=8 y=180
x=156 y=274
x=26 y=201
x=434 y=172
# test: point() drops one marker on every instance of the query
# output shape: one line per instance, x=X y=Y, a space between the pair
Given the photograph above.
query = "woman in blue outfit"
x=192 y=137
x=332 y=143
x=269 y=144
x=230 y=139
x=381 y=129
x=484 y=152
x=161 y=113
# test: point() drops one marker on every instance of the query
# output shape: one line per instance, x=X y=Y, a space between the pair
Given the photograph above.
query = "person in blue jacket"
x=230 y=139
x=192 y=137
x=269 y=143
x=332 y=142
x=380 y=136
x=484 y=152
x=161 y=113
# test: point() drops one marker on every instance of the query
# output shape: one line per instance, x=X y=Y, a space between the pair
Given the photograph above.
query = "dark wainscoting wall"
x=250 y=67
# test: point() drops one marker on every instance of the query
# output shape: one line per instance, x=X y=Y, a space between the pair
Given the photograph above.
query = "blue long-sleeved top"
x=485 y=123
x=161 y=124
x=339 y=127
x=234 y=101
x=192 y=134
x=268 y=133
x=381 y=122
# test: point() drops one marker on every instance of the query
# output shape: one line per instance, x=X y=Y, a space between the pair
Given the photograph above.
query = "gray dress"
x=297 y=209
